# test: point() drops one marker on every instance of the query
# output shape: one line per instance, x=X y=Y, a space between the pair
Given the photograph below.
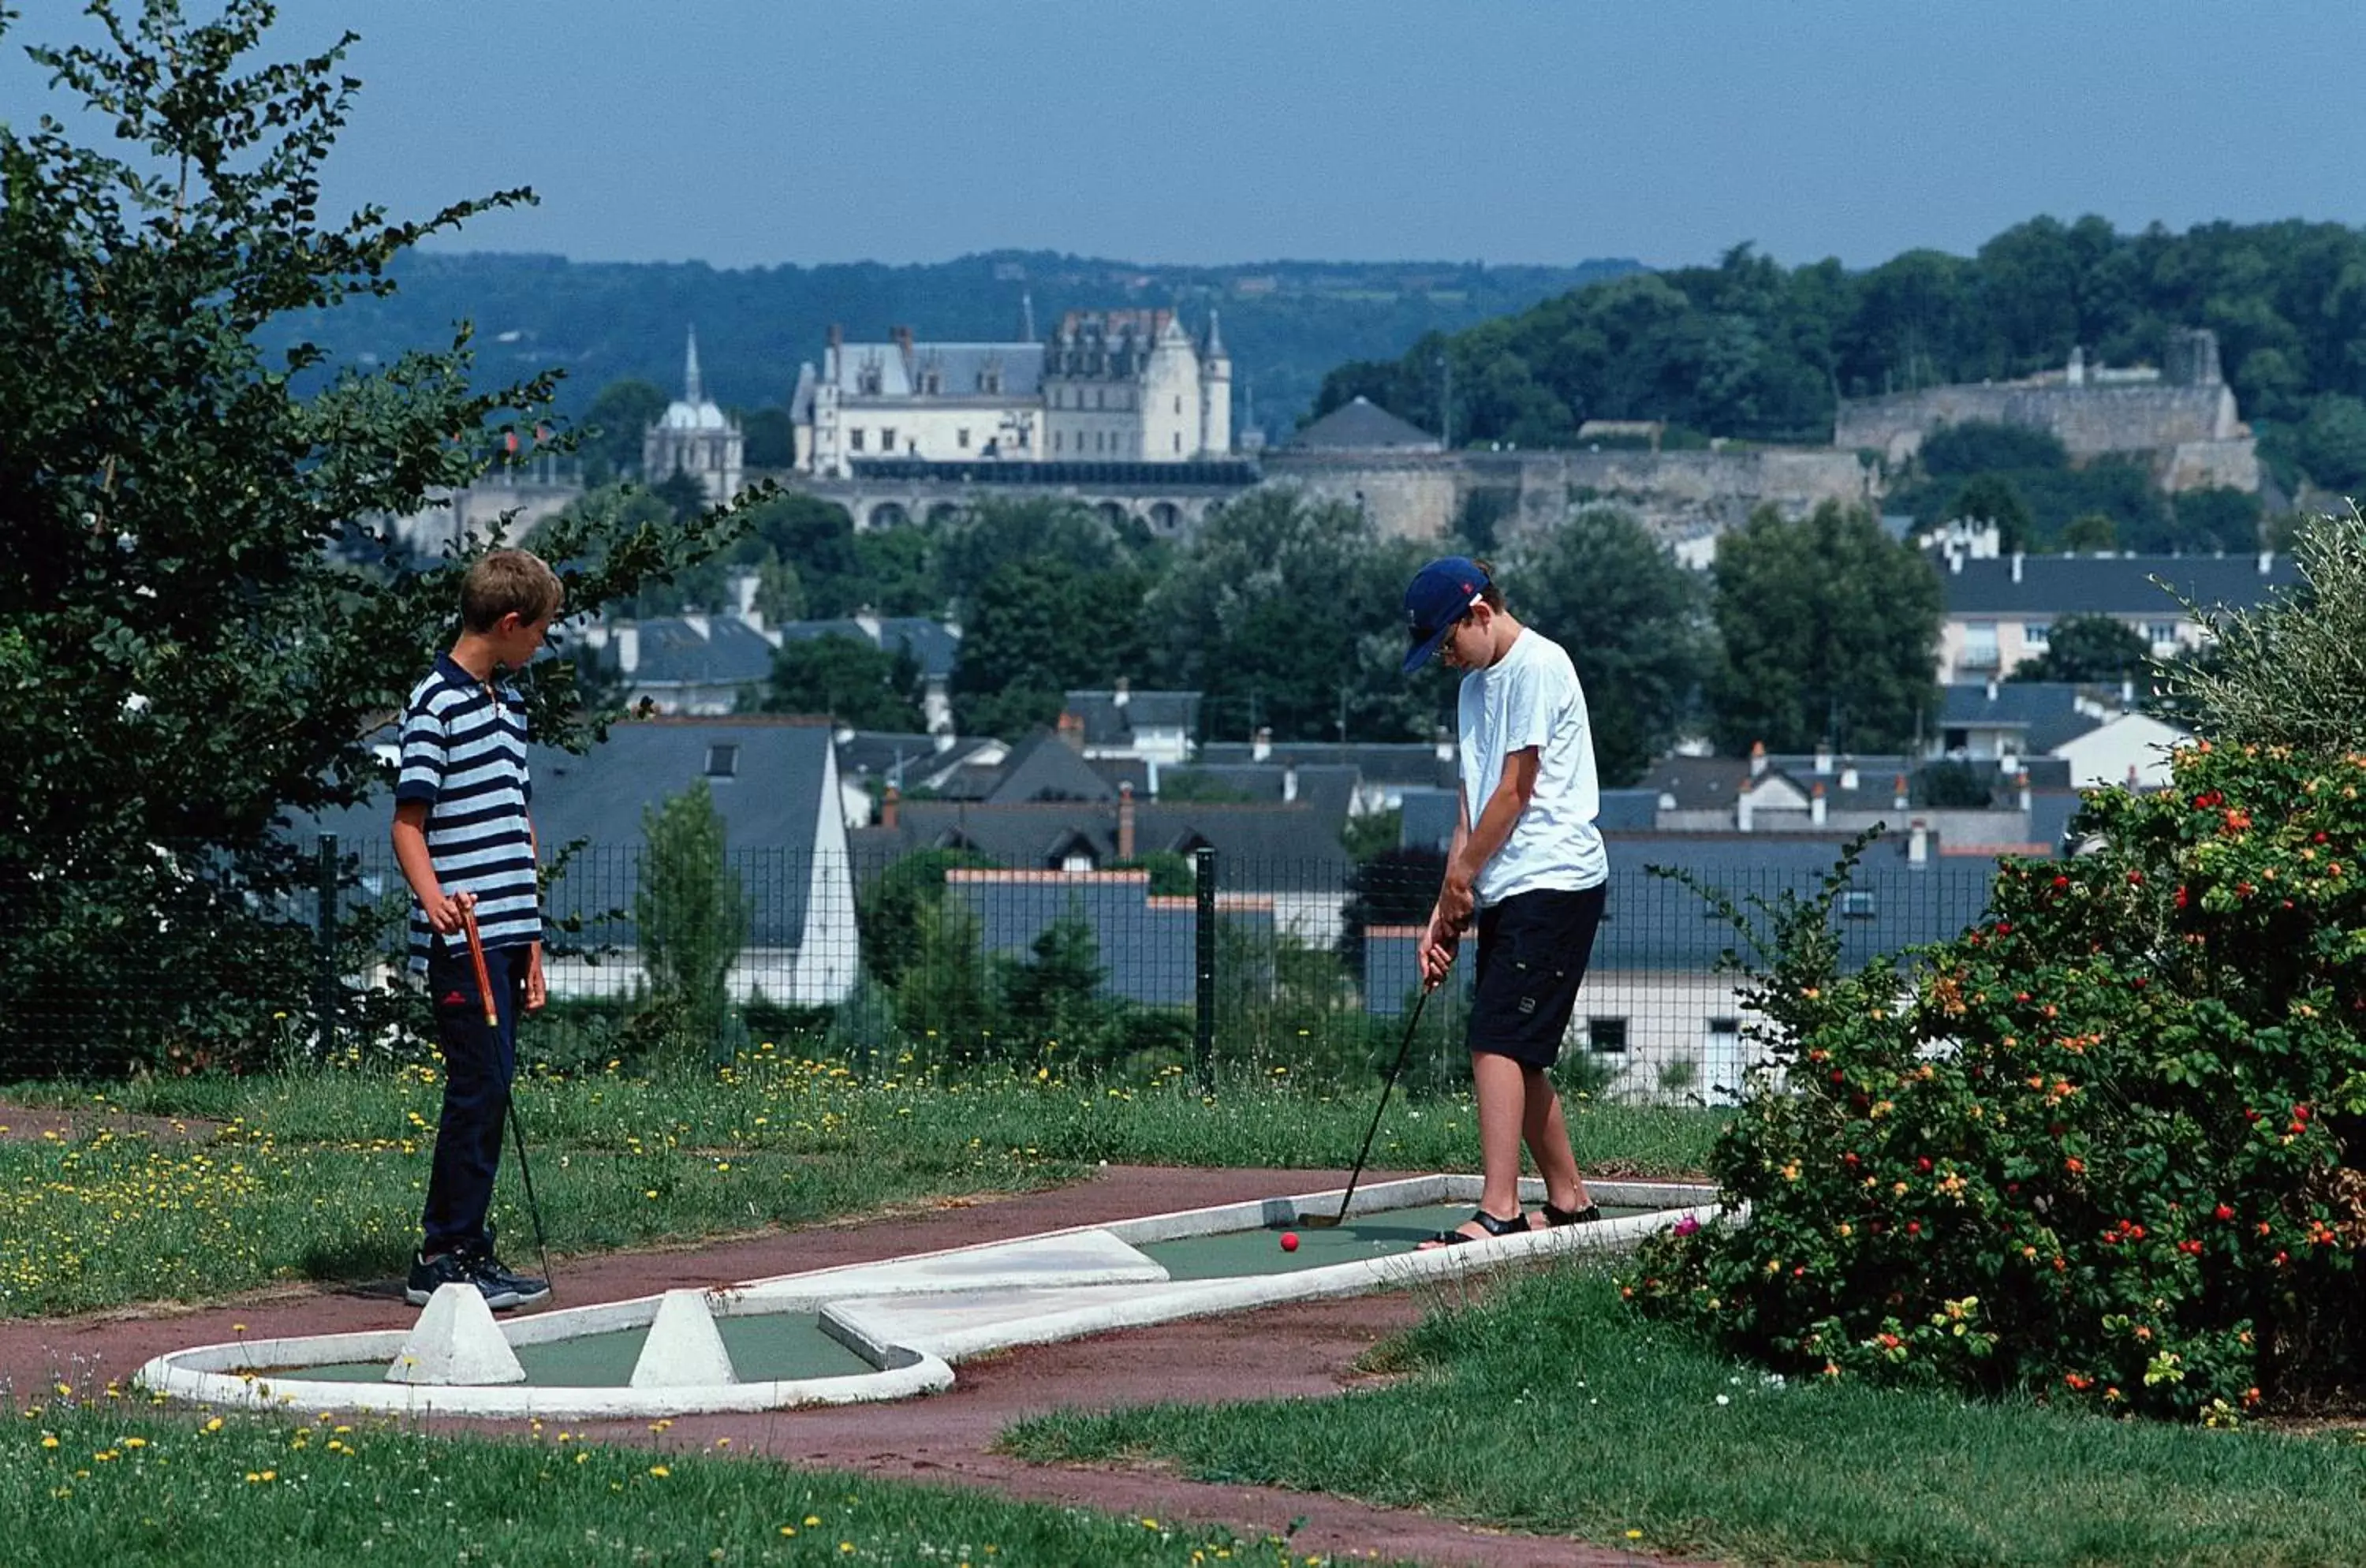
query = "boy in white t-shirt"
x=1527 y=867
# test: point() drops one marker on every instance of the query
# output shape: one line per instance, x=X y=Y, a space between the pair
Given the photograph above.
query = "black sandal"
x=1516 y=1225
x=1555 y=1215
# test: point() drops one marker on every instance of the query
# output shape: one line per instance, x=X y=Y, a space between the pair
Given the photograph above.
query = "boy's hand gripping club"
x=477 y=959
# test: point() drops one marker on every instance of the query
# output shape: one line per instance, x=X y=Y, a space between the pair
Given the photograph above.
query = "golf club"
x=1331 y=1222
x=509 y=1094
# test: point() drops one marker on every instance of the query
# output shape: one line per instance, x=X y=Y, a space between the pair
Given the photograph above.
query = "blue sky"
x=757 y=132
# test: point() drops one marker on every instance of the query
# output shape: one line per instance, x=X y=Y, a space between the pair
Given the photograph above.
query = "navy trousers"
x=480 y=1060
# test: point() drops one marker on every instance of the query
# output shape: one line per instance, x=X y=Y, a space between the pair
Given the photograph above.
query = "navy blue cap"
x=1441 y=595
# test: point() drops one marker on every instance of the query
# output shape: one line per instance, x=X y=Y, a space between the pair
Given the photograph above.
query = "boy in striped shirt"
x=463 y=842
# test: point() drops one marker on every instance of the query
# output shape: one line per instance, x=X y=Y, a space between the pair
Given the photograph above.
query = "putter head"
x=1320 y=1222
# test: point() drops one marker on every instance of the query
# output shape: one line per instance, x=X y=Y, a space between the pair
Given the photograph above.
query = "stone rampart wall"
x=2089 y=421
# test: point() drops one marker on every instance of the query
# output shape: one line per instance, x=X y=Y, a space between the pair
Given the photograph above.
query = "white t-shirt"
x=1531 y=697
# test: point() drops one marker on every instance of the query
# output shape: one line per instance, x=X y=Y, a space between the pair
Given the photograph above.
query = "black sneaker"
x=503 y=1286
x=427 y=1273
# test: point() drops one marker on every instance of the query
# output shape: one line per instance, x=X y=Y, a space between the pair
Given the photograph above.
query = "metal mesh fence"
x=1220 y=968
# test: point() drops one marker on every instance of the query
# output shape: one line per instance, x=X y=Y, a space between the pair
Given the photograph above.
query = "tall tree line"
x=1749 y=348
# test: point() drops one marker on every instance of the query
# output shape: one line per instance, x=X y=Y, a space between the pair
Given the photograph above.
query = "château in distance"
x=1107 y=386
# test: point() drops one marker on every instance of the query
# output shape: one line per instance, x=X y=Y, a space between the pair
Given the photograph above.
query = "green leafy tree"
x=770 y=438
x=1634 y=622
x=1980 y=446
x=2088 y=647
x=681 y=493
x=1829 y=629
x=1058 y=989
x=1951 y=786
x=848 y=678
x=2332 y=442
x=2217 y=519
x=1035 y=630
x=998 y=534
x=182 y=516
x=2088 y=531
x=612 y=428
x=897 y=574
x=691 y=916
x=889 y=914
x=2291 y=672
x=1991 y=499
x=945 y=998
x=1288 y=613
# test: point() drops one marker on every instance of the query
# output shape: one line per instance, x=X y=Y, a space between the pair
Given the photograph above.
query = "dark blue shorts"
x=1533 y=949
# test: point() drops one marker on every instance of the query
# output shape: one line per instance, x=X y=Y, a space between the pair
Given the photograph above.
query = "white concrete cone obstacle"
x=456 y=1340
x=684 y=1348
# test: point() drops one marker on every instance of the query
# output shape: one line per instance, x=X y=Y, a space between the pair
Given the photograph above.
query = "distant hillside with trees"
x=1286 y=323
x=1753 y=350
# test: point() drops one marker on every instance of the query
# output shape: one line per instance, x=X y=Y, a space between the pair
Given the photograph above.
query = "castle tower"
x=1171 y=411
x=1215 y=393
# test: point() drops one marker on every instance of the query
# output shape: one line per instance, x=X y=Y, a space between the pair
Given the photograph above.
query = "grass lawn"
x=1547 y=1405
x=113 y=1483
x=320 y=1175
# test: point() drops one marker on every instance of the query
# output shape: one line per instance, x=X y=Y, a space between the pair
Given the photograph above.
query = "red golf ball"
x=1289 y=1241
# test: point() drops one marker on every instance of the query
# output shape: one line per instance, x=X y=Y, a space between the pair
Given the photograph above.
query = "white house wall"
x=830 y=947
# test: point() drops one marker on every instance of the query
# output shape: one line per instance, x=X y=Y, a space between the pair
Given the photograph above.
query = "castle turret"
x=1215 y=393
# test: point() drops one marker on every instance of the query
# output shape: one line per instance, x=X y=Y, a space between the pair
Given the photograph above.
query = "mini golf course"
x=892 y=1329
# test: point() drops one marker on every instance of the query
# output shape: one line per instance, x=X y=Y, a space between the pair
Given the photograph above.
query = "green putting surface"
x=1223 y=1254
x=766 y=1347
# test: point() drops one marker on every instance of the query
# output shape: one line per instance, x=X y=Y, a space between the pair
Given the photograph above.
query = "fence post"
x=325 y=983
x=1204 y=929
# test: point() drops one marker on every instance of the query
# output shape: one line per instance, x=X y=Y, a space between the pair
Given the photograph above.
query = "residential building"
x=1659 y=1006
x=775 y=785
x=2001 y=611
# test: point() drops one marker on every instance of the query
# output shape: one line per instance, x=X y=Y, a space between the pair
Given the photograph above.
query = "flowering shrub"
x=2104 y=1146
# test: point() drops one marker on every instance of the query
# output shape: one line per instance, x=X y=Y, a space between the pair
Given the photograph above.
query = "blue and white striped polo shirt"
x=464 y=754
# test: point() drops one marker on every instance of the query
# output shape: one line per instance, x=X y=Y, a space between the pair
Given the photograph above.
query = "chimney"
x=1992 y=688
x=837 y=337
x=2022 y=778
x=2267 y=562
x=1071 y=729
x=903 y=336
x=1918 y=842
x=628 y=649
x=1741 y=807
x=744 y=585
x=1757 y=758
x=1261 y=744
x=1956 y=562
x=1119 y=698
x=1816 y=805
x=1848 y=777
x=890 y=800
x=1899 y=799
x=1289 y=783
x=2127 y=691
x=1124 y=820
x=2016 y=566
x=1824 y=756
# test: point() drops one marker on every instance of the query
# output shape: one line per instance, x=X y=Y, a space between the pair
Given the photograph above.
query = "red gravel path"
x=1302 y=1350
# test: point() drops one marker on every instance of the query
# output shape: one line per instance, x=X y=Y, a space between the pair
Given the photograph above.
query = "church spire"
x=1026 y=316
x=692 y=391
x=1215 y=349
